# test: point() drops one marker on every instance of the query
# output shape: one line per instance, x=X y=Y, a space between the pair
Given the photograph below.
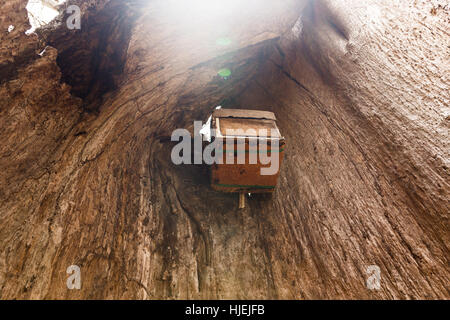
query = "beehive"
x=246 y=177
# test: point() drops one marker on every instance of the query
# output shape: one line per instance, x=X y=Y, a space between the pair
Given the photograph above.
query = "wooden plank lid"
x=251 y=127
x=245 y=114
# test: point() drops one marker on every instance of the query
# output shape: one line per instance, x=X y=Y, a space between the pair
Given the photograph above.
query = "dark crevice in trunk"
x=92 y=59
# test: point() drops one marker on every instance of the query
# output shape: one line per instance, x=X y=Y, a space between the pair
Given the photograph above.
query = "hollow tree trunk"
x=86 y=178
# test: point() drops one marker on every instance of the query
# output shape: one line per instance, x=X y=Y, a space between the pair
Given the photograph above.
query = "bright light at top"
x=218 y=19
x=217 y=26
x=205 y=9
x=209 y=15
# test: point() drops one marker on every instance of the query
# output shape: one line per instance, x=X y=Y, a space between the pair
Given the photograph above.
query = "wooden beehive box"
x=245 y=177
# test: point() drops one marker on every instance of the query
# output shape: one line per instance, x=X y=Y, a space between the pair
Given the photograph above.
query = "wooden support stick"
x=241 y=200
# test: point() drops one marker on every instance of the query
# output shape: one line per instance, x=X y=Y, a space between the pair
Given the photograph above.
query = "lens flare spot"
x=223 y=42
x=224 y=73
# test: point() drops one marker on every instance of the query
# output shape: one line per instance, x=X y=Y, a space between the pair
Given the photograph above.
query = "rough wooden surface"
x=360 y=91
